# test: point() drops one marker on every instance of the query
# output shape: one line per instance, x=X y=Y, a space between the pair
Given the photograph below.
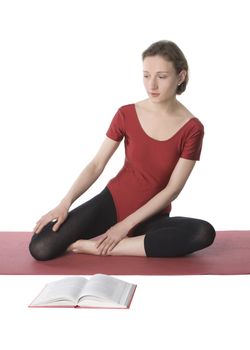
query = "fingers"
x=39 y=226
x=58 y=224
x=44 y=221
x=36 y=229
x=100 y=241
x=111 y=247
x=106 y=245
x=56 y=216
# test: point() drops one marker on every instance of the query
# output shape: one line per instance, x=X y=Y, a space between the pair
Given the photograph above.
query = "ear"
x=181 y=76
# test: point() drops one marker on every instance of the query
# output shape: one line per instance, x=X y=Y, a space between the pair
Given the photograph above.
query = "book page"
x=108 y=288
x=66 y=289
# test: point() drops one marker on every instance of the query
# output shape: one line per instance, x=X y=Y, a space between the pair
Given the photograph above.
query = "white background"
x=175 y=313
x=65 y=68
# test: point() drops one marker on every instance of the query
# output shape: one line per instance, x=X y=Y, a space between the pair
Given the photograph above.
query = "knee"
x=206 y=233
x=38 y=249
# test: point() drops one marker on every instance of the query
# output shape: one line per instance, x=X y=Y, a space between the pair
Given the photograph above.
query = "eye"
x=146 y=76
x=162 y=76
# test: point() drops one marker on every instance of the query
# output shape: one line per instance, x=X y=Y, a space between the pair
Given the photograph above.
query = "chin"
x=162 y=99
x=157 y=99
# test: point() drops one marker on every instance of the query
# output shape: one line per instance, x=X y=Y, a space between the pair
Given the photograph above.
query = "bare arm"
x=160 y=201
x=92 y=171
x=87 y=177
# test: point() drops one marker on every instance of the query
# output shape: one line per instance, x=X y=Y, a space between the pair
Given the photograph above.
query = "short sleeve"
x=116 y=129
x=193 y=142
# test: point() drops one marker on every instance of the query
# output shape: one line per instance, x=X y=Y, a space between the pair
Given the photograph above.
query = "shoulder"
x=123 y=116
x=194 y=127
x=127 y=109
x=125 y=113
x=132 y=107
x=189 y=116
x=195 y=123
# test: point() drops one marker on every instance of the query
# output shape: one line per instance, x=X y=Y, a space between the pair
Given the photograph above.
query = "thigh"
x=93 y=217
x=164 y=221
x=177 y=236
x=151 y=224
x=88 y=220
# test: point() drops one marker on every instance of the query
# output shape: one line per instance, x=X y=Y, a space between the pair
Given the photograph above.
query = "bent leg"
x=84 y=222
x=129 y=246
x=177 y=236
x=160 y=236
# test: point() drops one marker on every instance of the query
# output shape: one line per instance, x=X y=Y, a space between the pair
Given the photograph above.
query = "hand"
x=111 y=238
x=59 y=215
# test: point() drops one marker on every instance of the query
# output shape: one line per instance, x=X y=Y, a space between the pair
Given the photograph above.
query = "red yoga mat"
x=229 y=255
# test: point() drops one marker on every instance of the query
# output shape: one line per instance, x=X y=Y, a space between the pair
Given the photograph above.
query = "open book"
x=100 y=291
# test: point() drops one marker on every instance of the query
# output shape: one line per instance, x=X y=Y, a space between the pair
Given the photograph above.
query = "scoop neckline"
x=150 y=137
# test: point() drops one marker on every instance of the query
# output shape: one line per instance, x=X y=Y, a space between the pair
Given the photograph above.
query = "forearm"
x=87 y=177
x=91 y=172
x=159 y=202
x=117 y=233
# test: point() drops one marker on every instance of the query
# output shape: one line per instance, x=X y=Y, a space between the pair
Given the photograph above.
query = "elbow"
x=97 y=167
x=173 y=193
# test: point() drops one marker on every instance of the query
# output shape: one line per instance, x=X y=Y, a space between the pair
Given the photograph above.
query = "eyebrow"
x=145 y=71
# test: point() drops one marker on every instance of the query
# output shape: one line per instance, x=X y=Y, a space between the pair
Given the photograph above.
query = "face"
x=160 y=78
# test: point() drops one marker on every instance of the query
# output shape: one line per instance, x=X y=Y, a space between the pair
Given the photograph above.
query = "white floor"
x=170 y=312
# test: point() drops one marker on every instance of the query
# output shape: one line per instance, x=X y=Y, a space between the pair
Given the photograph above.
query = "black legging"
x=164 y=236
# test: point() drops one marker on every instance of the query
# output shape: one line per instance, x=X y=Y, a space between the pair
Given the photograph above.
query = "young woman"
x=130 y=216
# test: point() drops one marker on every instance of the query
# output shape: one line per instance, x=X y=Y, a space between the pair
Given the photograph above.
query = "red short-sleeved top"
x=149 y=163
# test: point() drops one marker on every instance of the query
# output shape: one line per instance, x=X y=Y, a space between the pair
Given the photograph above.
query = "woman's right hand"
x=58 y=214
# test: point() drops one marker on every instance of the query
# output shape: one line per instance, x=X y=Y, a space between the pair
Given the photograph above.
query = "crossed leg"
x=159 y=236
x=133 y=246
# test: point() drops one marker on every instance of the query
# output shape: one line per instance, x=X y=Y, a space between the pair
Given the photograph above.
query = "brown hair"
x=170 y=52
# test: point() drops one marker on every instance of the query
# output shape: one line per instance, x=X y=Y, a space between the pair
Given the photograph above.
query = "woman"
x=130 y=216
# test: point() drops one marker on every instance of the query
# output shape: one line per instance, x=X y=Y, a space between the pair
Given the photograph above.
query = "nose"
x=153 y=84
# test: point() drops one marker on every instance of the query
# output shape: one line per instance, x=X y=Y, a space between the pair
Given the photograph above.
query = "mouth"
x=154 y=94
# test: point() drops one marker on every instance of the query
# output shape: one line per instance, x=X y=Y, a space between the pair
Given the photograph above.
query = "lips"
x=154 y=94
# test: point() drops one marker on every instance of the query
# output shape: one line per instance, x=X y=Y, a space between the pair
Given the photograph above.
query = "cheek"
x=146 y=84
x=168 y=85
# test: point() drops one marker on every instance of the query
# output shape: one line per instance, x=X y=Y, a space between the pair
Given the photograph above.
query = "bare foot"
x=83 y=246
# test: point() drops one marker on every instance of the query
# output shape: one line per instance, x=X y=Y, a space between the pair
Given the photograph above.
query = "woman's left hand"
x=111 y=238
